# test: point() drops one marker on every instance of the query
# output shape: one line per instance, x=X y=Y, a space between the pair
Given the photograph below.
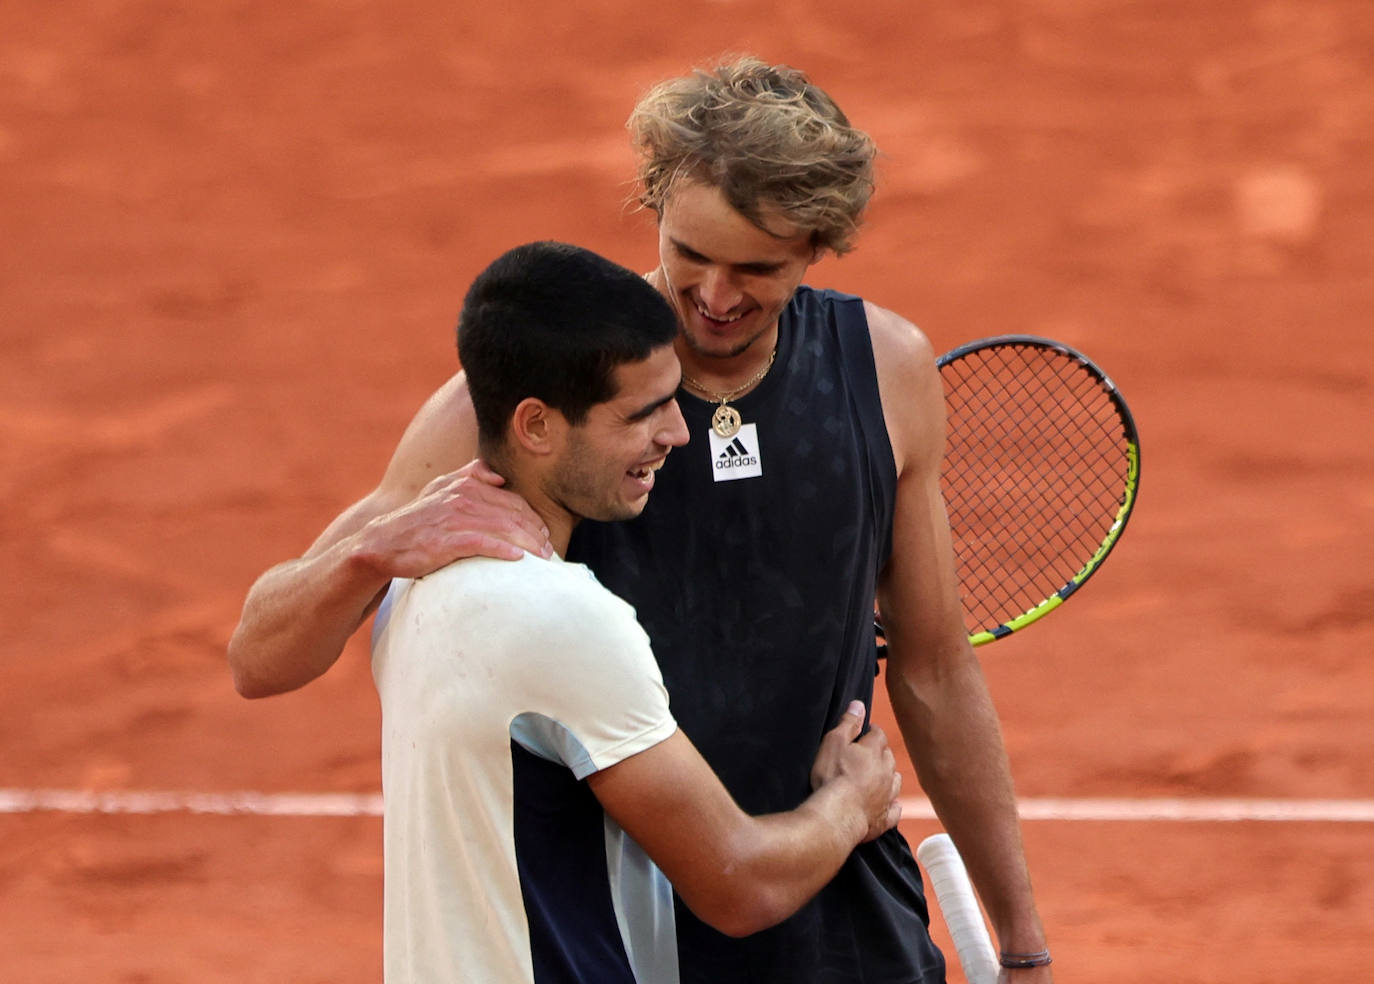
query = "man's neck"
x=723 y=373
x=559 y=533
x=559 y=521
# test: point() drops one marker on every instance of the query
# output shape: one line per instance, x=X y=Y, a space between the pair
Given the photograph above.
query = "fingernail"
x=856 y=707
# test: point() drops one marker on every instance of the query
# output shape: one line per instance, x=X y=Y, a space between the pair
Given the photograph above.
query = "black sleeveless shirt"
x=753 y=569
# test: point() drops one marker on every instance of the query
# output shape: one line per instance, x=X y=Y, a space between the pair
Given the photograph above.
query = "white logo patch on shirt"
x=736 y=457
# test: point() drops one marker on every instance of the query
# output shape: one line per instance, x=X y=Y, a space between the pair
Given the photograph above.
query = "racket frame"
x=1129 y=493
x=1056 y=598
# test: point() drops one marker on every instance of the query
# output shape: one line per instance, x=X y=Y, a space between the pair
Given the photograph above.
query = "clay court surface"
x=233 y=241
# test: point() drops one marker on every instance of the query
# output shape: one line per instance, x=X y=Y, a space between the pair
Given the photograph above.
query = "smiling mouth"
x=644 y=472
x=718 y=321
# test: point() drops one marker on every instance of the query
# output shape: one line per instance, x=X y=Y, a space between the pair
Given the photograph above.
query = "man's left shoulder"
x=896 y=340
x=909 y=388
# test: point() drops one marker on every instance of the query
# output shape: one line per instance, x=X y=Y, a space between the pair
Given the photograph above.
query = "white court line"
x=1183 y=809
x=131 y=801
x=913 y=808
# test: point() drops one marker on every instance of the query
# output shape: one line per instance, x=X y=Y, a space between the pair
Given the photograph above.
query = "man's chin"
x=720 y=345
x=631 y=510
x=716 y=348
x=619 y=512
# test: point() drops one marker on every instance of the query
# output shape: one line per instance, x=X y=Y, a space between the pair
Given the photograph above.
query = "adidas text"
x=737 y=462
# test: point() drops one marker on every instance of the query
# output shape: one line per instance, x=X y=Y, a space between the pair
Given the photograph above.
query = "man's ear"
x=537 y=427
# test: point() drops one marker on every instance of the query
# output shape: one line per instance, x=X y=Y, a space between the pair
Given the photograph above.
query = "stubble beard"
x=581 y=489
x=697 y=347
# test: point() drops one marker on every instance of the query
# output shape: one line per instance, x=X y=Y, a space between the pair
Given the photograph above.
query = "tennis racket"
x=959 y=908
x=1041 y=472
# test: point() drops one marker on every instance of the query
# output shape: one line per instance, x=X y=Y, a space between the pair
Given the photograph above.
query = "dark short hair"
x=553 y=321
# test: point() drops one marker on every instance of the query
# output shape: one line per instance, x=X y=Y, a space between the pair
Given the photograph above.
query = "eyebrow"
x=686 y=250
x=648 y=410
x=758 y=266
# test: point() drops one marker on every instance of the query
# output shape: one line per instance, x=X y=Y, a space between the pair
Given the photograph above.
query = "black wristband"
x=1022 y=961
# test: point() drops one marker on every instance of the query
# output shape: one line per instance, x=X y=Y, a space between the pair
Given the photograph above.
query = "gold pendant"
x=725 y=421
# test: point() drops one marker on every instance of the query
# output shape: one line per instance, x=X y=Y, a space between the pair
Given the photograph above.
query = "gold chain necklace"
x=726 y=420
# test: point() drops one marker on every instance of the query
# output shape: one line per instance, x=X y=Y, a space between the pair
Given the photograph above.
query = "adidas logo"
x=734 y=449
x=735 y=455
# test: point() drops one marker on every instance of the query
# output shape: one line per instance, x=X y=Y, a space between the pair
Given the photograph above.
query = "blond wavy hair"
x=769 y=139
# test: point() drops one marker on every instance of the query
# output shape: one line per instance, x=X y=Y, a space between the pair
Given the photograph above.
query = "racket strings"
x=1035 y=469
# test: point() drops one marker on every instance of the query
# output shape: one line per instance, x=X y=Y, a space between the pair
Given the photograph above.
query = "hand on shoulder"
x=465 y=513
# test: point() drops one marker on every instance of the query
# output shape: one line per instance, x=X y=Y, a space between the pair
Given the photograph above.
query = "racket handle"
x=959 y=907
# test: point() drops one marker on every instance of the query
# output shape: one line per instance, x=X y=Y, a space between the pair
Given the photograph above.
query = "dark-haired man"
x=526 y=728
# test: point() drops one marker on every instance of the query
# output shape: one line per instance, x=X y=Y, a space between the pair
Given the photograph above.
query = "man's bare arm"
x=738 y=873
x=299 y=615
x=936 y=685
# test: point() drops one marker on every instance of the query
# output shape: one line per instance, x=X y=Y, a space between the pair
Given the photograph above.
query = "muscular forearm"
x=298 y=617
x=954 y=740
x=798 y=853
x=738 y=873
x=775 y=863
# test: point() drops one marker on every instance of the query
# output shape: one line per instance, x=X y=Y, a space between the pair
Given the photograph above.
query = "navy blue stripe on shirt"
x=560 y=852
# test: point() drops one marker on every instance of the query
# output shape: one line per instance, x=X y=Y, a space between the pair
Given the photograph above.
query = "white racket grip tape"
x=959 y=907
